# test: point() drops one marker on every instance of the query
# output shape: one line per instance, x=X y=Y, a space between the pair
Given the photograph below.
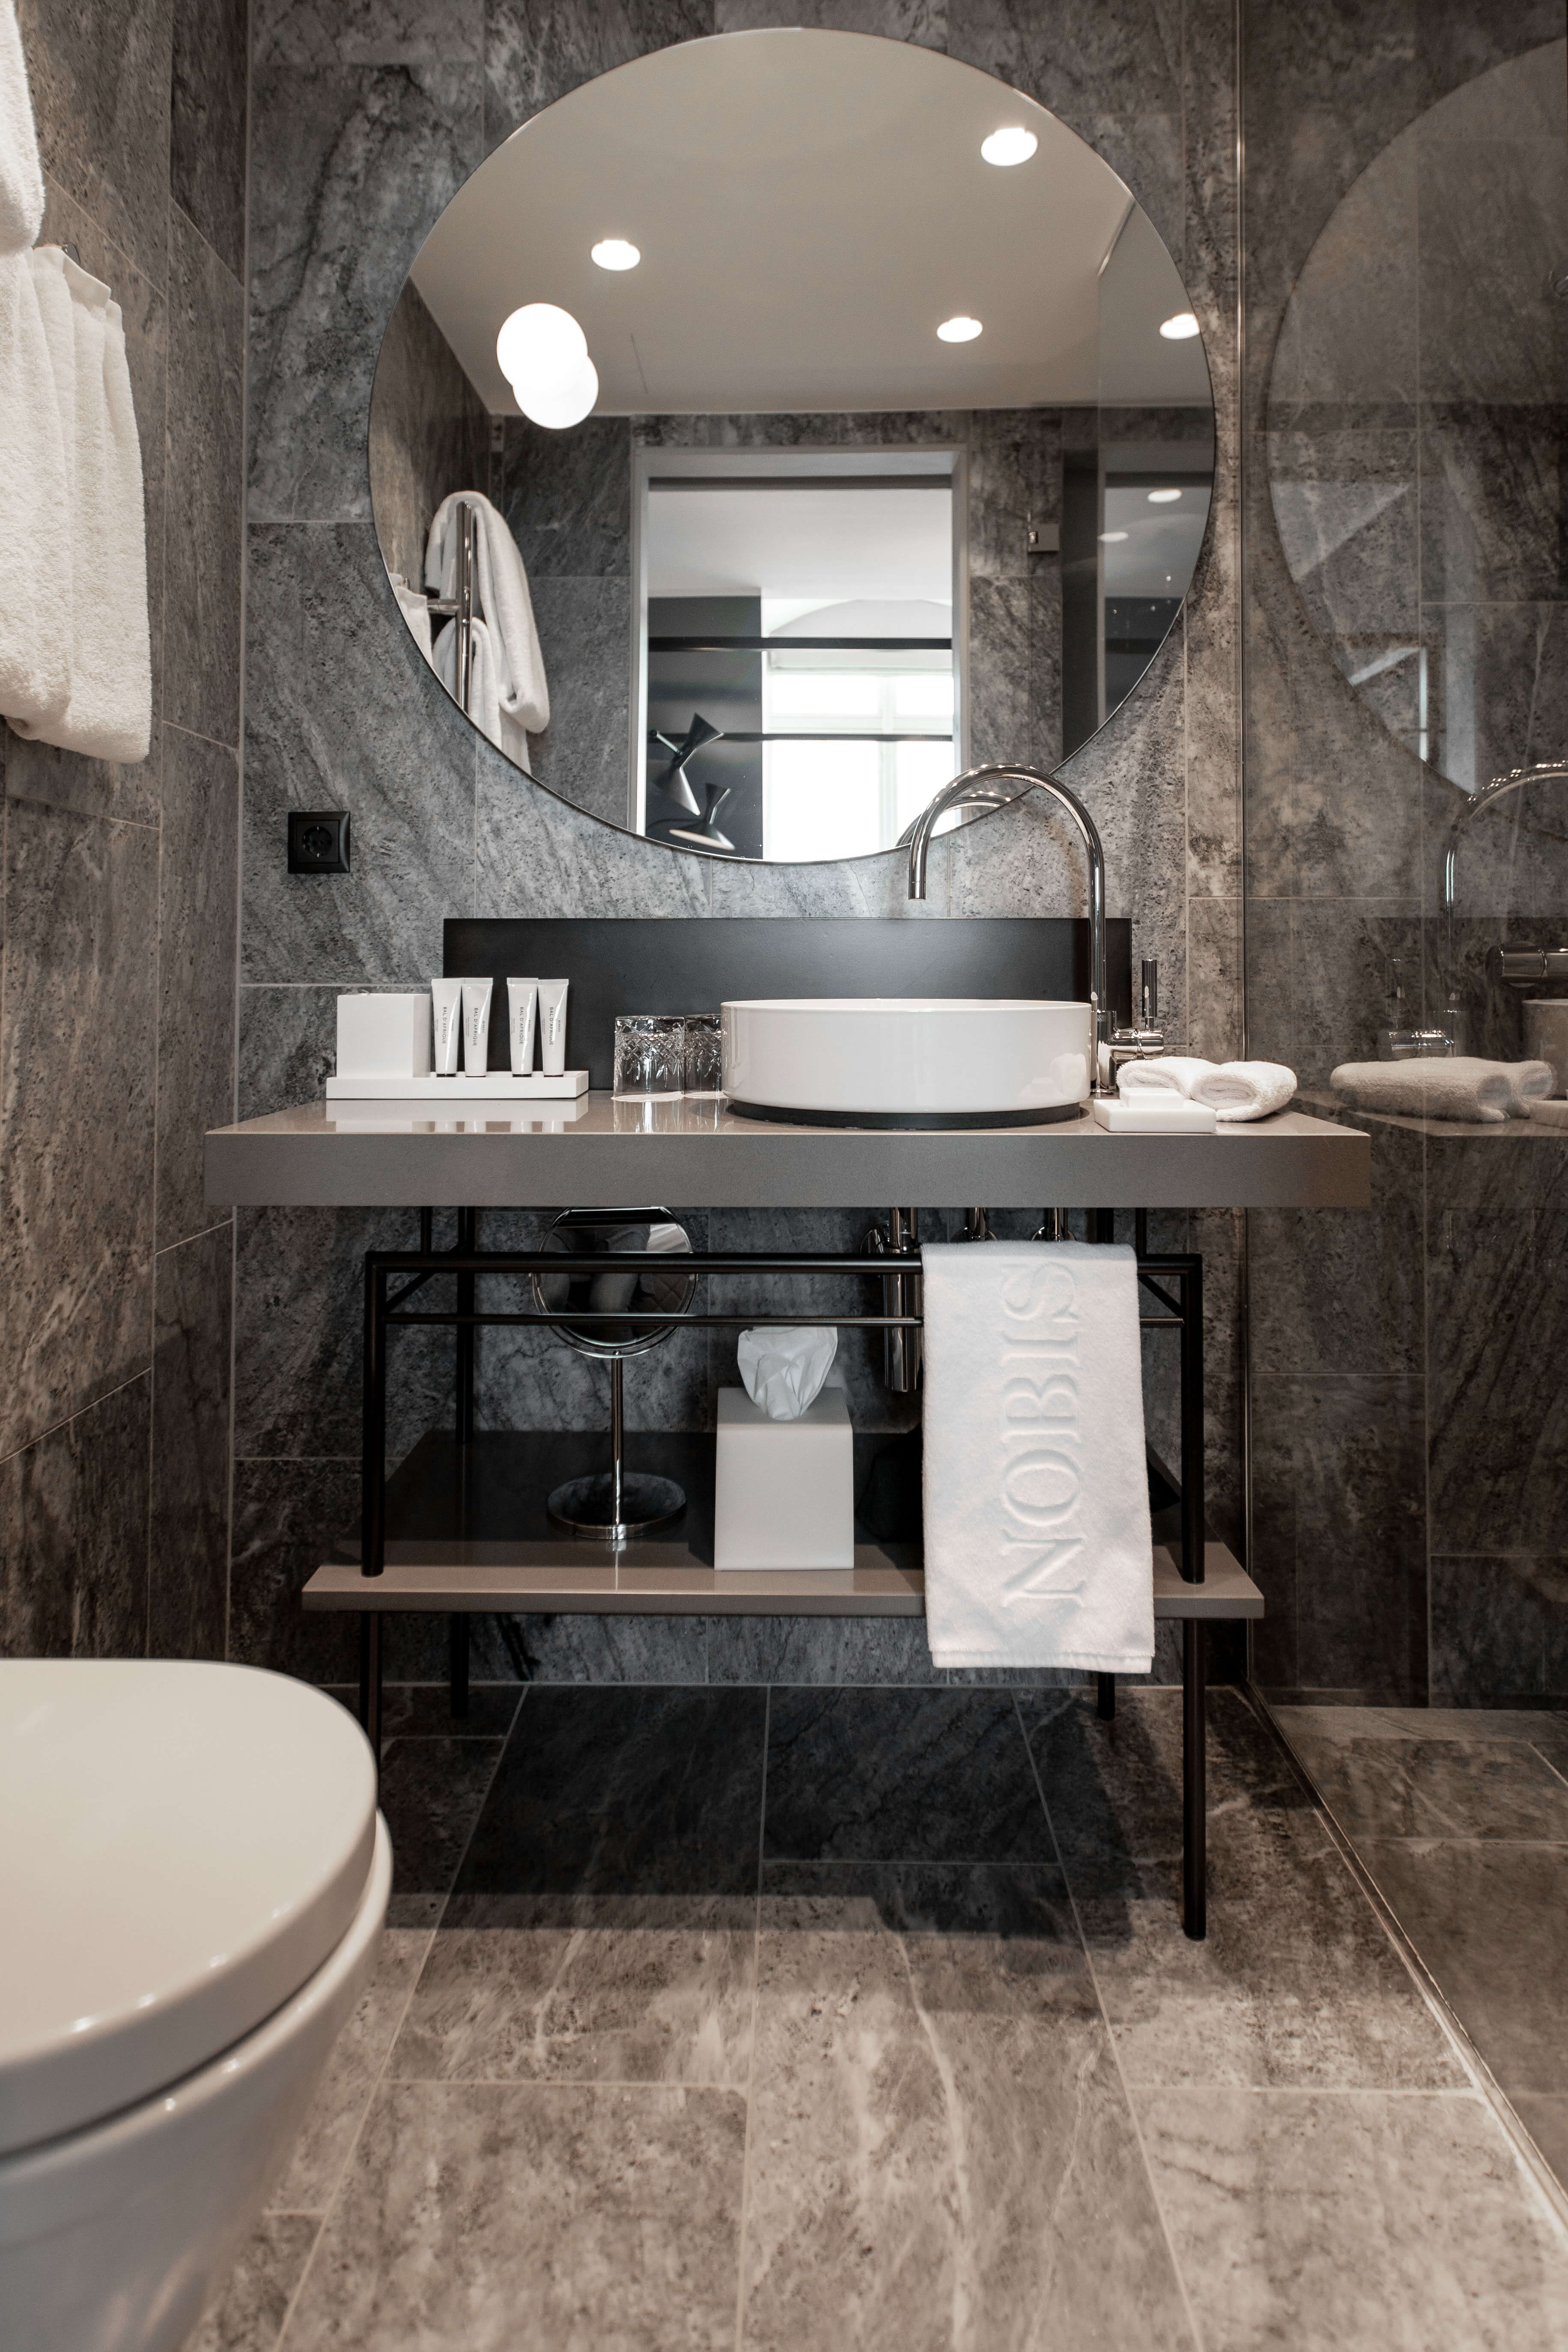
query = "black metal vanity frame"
x=386 y=1309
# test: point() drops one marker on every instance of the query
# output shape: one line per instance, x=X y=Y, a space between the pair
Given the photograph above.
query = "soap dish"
x=1169 y=1114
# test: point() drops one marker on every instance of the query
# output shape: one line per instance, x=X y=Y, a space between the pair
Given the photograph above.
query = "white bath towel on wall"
x=485 y=706
x=34 y=567
x=1037 y=1546
x=504 y=603
x=21 y=176
x=416 y=609
x=108 y=713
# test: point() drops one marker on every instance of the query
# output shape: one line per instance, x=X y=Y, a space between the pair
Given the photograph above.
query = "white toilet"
x=195 y=1877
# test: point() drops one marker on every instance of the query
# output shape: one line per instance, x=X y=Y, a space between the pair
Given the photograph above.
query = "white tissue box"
x=785 y=1492
x=383 y=1036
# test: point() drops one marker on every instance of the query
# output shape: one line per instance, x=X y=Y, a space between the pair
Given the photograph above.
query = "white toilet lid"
x=181 y=1847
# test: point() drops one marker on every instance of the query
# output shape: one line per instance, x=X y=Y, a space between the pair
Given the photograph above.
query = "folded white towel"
x=484 y=706
x=1549 y=1114
x=109 y=715
x=21 y=176
x=35 y=571
x=415 y=612
x=1037 y=1546
x=503 y=602
x=1460 y=1087
x=1233 y=1090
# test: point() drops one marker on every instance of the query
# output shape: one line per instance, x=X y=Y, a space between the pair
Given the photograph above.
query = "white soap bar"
x=1154 y=1111
x=383 y=1036
x=784 y=1490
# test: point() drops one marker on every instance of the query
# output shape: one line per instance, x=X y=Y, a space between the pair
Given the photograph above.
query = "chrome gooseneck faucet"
x=978 y=787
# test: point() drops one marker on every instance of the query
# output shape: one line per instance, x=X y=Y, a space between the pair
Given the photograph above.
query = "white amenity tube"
x=476 y=996
x=523 y=1001
x=447 y=1003
x=553 y=1026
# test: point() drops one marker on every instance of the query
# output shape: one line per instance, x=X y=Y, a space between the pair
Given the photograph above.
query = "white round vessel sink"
x=907 y=1060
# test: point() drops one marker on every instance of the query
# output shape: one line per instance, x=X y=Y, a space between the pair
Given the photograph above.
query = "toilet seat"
x=183 y=1844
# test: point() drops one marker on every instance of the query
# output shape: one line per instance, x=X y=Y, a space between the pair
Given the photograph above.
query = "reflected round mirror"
x=1415 y=427
x=780 y=423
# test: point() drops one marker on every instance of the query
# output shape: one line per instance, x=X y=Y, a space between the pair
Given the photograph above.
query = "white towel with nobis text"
x=1037 y=1544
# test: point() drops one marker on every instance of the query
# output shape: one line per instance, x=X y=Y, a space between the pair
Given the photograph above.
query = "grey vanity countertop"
x=697 y=1154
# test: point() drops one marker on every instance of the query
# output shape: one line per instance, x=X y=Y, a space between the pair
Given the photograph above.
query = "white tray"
x=497 y=1086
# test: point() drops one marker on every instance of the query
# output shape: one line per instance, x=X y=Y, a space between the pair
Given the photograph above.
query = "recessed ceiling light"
x=1162 y=497
x=1180 y=329
x=615 y=253
x=959 y=330
x=1110 y=538
x=1013 y=145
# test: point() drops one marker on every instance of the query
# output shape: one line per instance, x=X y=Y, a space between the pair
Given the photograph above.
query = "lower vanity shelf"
x=468 y=1534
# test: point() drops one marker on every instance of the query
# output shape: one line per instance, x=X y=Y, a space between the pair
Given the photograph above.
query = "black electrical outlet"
x=318 y=840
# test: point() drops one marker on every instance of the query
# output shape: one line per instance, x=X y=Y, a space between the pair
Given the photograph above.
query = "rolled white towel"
x=1178 y=1073
x=1232 y=1090
x=1246 y=1089
x=1532 y=1082
x=1457 y=1087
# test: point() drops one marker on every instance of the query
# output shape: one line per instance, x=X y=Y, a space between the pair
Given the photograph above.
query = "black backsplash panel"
x=665 y=966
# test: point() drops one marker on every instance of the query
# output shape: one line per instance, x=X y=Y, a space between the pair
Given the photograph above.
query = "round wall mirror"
x=780 y=423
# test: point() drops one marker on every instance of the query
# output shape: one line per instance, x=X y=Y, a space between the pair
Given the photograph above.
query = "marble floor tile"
x=1311 y=2222
x=1113 y=1791
x=857 y=1775
x=585 y=1987
x=941 y=2152
x=1297 y=1983
x=248 y=2314
x=1487 y=1919
x=563 y=2216
x=1442 y=1788
x=354 y=2068
x=431 y=1792
x=621 y=1790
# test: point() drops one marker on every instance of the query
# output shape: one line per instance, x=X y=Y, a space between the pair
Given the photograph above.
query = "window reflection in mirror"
x=804 y=611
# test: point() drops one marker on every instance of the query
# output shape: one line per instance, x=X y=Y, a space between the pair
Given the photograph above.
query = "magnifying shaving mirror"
x=780 y=424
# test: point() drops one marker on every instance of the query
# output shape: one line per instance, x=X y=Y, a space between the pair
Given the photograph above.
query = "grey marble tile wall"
x=120 y=897
x=1404 y=1461
x=366 y=119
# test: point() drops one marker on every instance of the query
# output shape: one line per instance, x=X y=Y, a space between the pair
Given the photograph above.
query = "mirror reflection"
x=1415 y=417
x=780 y=424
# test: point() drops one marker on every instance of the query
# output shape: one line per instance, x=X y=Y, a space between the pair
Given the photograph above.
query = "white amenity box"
x=383 y=1036
x=785 y=1491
